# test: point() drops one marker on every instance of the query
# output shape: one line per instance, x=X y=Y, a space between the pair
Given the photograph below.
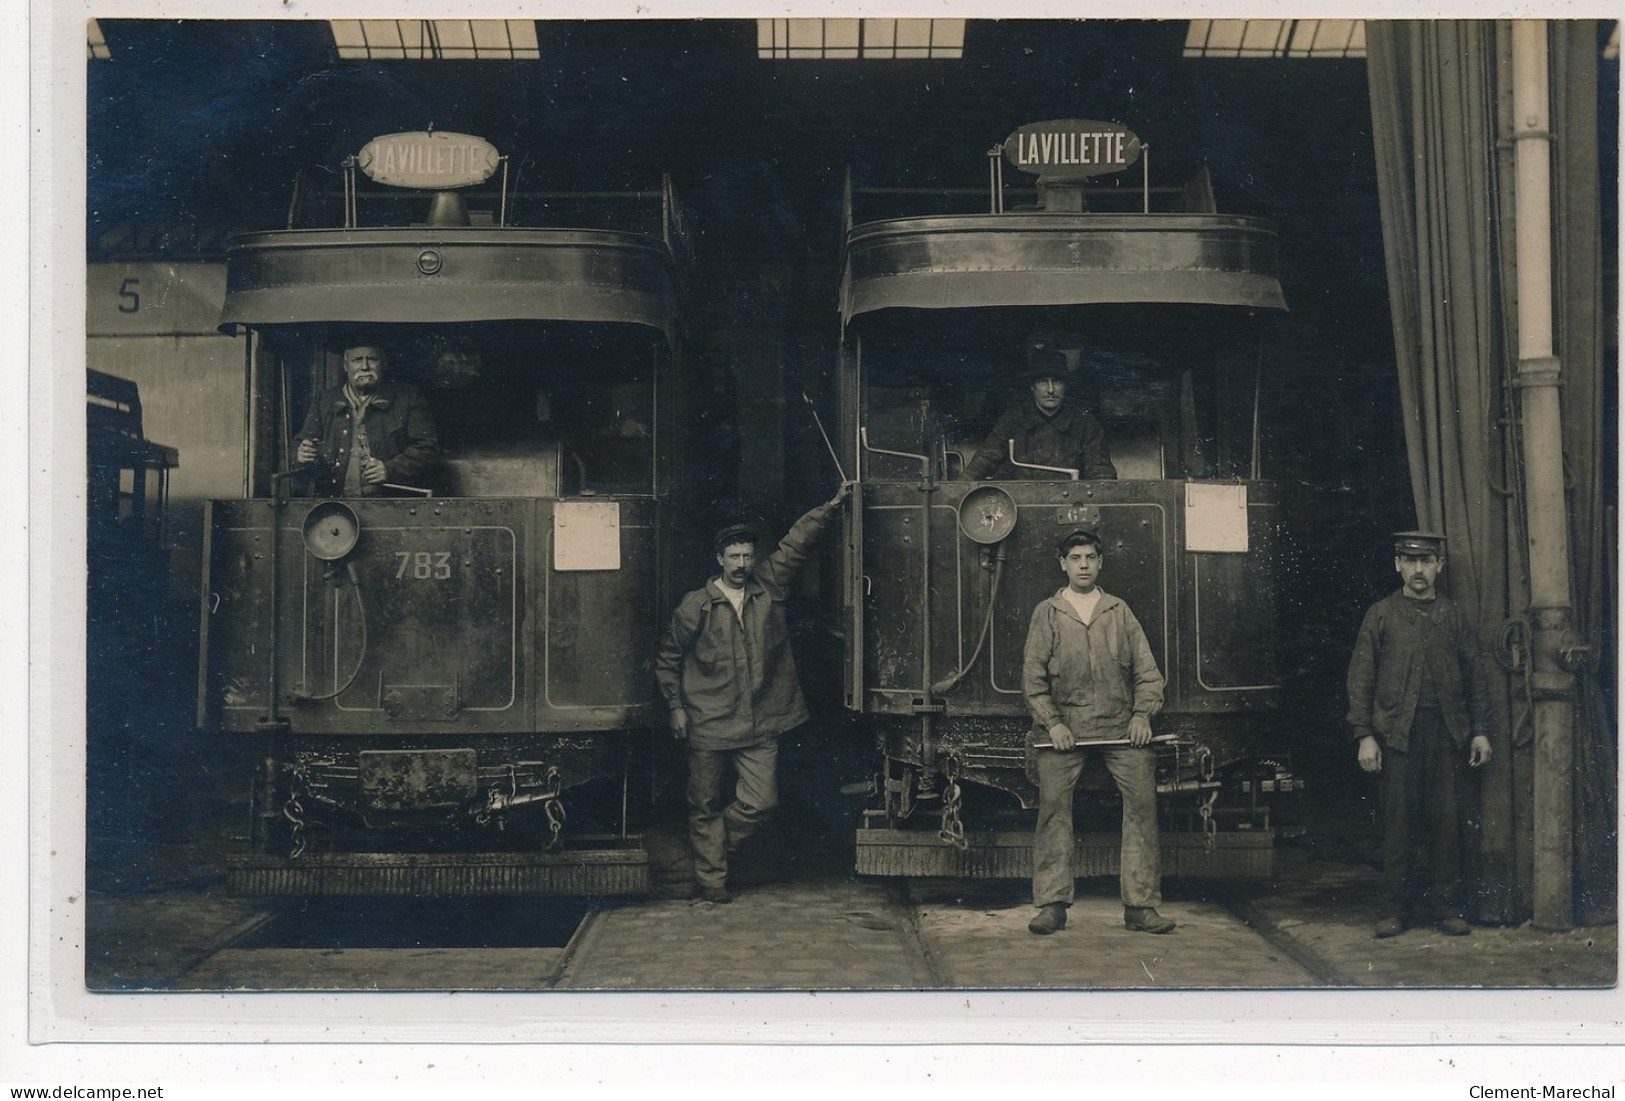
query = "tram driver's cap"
x=733 y=533
x=1418 y=544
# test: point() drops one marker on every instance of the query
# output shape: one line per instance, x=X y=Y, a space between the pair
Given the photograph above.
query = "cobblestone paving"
x=792 y=936
x=825 y=930
x=1330 y=909
x=142 y=941
x=393 y=969
x=853 y=935
x=980 y=941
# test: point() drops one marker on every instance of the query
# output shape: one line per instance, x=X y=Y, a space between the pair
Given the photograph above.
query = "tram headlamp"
x=331 y=530
x=987 y=514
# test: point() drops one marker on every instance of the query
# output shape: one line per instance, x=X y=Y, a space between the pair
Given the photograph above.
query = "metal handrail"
x=1073 y=474
x=863 y=437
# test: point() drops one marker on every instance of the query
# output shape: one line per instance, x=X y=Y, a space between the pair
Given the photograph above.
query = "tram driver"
x=370 y=434
x=1048 y=430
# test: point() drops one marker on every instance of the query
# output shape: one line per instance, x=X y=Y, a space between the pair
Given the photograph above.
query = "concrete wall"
x=154 y=323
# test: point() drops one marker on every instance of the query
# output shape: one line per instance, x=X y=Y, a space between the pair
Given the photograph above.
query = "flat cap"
x=1418 y=543
x=733 y=533
x=1077 y=537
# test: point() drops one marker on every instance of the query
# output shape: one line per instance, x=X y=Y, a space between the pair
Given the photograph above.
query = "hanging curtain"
x=1589 y=442
x=1440 y=93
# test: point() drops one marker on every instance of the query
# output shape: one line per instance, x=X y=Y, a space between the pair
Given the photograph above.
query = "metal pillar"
x=1539 y=381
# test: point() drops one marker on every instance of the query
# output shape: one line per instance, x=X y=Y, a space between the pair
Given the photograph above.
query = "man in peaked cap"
x=1420 y=710
x=1047 y=430
x=728 y=676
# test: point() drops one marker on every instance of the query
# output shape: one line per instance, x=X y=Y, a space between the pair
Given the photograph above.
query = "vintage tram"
x=1160 y=306
x=447 y=683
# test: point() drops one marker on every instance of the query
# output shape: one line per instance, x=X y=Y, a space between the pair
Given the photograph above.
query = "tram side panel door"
x=892 y=574
x=598 y=570
x=1229 y=659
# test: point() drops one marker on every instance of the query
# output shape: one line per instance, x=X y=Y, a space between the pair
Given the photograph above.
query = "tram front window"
x=523 y=416
x=1169 y=407
x=1042 y=423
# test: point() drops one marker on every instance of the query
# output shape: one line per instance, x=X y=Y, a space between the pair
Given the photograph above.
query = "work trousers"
x=714 y=831
x=1134 y=768
x=1421 y=822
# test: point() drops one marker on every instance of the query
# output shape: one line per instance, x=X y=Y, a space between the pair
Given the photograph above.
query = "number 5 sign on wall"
x=154 y=299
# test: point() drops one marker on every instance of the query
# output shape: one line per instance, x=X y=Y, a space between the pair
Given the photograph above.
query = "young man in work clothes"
x=726 y=671
x=1089 y=677
x=1421 y=715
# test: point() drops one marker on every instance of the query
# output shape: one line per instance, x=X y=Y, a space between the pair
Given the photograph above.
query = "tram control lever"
x=814 y=410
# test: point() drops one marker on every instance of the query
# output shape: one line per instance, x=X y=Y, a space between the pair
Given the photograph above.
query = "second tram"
x=1159 y=305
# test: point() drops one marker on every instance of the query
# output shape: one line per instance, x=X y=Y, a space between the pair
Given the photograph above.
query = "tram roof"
x=1047 y=259
x=449 y=274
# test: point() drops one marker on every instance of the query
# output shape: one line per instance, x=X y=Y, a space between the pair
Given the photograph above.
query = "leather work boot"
x=1389 y=927
x=1145 y=919
x=1050 y=919
x=1454 y=927
x=717 y=896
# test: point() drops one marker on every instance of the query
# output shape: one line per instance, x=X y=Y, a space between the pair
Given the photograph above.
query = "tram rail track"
x=1284 y=942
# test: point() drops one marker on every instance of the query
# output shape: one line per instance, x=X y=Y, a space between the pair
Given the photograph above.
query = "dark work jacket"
x=400 y=431
x=1385 y=672
x=1071 y=438
x=737 y=679
x=1092 y=676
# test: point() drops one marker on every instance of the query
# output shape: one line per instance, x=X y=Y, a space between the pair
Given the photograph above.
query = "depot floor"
x=801 y=921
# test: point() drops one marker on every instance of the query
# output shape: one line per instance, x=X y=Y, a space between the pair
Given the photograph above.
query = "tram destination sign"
x=428 y=159
x=1071 y=149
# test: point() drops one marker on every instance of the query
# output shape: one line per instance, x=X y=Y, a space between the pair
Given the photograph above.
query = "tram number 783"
x=423 y=565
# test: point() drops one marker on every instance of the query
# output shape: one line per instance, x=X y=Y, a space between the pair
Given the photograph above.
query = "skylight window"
x=890 y=39
x=1338 y=38
x=96 y=42
x=436 y=39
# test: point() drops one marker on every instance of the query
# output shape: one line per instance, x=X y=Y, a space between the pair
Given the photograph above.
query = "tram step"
x=1246 y=854
x=620 y=871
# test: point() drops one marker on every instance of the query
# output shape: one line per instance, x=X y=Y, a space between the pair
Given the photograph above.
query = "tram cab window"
x=1175 y=386
x=526 y=410
x=606 y=438
x=583 y=430
x=1137 y=409
x=1162 y=420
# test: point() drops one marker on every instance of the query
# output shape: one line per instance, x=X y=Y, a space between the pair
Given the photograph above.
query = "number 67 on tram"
x=1158 y=305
